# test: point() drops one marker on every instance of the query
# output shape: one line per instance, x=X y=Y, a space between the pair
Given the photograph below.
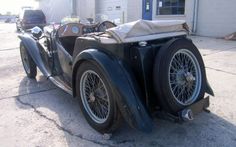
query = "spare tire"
x=179 y=75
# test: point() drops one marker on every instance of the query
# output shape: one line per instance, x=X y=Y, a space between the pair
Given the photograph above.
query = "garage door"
x=114 y=9
x=216 y=18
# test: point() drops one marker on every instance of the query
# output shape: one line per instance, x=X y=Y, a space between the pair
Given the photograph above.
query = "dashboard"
x=90 y=29
x=78 y=29
x=70 y=29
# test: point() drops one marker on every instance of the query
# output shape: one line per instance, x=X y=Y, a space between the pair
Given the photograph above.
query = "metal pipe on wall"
x=74 y=7
x=195 y=16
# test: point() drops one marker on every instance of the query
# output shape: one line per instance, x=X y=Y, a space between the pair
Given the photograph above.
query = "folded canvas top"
x=141 y=29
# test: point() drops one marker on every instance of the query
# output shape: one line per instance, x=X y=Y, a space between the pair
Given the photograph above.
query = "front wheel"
x=97 y=98
x=179 y=75
x=28 y=62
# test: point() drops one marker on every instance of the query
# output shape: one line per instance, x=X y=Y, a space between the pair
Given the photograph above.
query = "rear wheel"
x=179 y=75
x=97 y=100
x=28 y=63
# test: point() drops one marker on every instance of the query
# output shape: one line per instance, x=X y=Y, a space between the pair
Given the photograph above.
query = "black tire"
x=114 y=118
x=162 y=75
x=28 y=63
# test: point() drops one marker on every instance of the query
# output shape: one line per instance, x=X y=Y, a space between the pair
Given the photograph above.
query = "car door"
x=46 y=55
x=65 y=61
x=64 y=40
x=62 y=60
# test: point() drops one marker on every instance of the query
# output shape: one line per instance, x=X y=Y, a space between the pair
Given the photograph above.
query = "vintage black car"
x=131 y=71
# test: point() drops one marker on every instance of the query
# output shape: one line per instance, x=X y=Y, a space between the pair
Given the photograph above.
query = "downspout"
x=74 y=7
x=195 y=16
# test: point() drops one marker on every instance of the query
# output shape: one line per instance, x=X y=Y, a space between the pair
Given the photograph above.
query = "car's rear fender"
x=126 y=91
x=32 y=47
x=209 y=90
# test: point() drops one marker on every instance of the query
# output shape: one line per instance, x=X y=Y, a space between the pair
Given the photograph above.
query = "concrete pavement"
x=36 y=113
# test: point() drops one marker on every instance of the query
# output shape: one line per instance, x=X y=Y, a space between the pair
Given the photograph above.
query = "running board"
x=59 y=83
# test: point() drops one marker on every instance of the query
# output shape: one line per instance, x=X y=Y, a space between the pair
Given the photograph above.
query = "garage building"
x=214 y=18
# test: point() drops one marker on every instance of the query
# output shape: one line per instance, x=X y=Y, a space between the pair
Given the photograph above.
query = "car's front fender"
x=127 y=95
x=33 y=49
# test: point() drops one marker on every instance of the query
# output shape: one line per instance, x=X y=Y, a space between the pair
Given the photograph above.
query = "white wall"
x=216 y=18
x=55 y=10
x=86 y=9
x=134 y=10
x=114 y=9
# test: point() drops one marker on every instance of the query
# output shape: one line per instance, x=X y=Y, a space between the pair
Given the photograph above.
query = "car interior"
x=68 y=33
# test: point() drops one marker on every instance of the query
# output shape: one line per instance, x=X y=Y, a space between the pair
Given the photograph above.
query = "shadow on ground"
x=63 y=111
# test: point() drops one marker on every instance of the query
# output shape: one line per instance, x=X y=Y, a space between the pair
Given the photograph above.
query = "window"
x=147 y=5
x=170 y=7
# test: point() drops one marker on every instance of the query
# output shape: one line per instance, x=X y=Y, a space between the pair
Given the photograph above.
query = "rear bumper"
x=188 y=113
x=199 y=106
x=194 y=109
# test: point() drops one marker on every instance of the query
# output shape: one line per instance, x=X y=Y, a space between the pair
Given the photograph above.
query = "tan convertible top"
x=142 y=30
x=147 y=30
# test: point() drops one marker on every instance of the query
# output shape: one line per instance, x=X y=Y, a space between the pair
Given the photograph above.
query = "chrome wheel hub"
x=91 y=98
x=189 y=77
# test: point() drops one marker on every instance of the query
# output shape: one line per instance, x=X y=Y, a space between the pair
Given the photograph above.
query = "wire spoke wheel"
x=181 y=79
x=184 y=77
x=94 y=96
x=97 y=98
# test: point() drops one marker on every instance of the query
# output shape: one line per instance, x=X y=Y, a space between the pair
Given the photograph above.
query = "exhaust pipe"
x=186 y=115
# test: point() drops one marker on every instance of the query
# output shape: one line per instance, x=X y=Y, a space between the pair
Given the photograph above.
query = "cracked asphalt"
x=36 y=113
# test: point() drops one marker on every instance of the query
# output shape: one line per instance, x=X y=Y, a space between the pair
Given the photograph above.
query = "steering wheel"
x=105 y=25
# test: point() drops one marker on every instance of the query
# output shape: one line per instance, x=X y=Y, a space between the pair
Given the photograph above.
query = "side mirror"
x=36 y=32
